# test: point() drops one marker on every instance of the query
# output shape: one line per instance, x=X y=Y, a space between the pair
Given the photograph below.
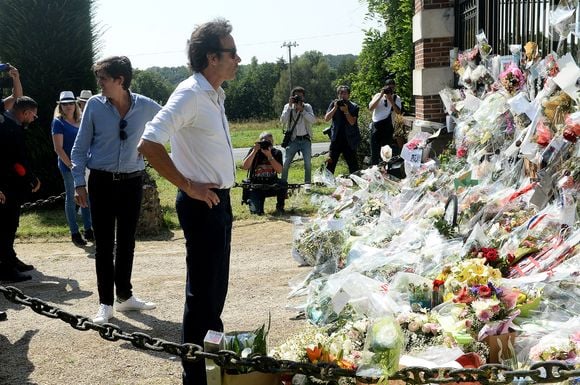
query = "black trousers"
x=9 y=221
x=115 y=207
x=208 y=234
x=381 y=134
x=340 y=146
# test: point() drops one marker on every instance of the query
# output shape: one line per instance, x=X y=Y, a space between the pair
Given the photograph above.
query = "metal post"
x=290 y=45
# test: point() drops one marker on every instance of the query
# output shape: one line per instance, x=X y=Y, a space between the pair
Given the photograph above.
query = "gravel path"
x=38 y=350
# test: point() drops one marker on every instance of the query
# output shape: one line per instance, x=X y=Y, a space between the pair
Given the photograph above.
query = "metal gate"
x=508 y=22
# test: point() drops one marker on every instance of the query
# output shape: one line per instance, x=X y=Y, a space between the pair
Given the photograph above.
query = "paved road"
x=317 y=148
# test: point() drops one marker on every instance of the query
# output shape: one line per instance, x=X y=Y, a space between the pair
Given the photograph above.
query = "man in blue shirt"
x=106 y=143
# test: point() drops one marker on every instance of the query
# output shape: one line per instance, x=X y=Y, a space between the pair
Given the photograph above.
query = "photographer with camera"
x=10 y=81
x=264 y=163
x=344 y=131
x=382 y=105
x=298 y=117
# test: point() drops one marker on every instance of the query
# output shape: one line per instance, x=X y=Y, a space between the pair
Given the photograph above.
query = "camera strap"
x=291 y=129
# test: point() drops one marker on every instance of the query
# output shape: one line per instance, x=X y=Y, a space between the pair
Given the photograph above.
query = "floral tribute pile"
x=403 y=275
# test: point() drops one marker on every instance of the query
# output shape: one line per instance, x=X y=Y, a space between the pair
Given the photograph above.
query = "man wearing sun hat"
x=83 y=97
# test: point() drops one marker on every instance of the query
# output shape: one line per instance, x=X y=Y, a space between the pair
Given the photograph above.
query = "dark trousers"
x=208 y=234
x=381 y=134
x=9 y=221
x=115 y=207
x=340 y=146
x=257 y=197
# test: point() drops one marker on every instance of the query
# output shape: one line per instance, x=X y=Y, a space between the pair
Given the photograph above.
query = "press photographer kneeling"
x=264 y=163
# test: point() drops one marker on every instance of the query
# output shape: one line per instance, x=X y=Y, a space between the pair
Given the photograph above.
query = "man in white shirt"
x=382 y=105
x=202 y=167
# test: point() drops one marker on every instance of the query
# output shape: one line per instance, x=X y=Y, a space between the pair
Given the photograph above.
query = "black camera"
x=6 y=82
x=388 y=90
x=297 y=99
x=265 y=144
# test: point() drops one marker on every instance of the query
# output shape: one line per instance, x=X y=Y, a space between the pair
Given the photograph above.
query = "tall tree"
x=53 y=44
x=250 y=94
x=311 y=71
x=386 y=54
x=151 y=84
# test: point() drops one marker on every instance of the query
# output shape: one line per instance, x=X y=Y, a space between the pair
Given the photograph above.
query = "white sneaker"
x=134 y=303
x=104 y=314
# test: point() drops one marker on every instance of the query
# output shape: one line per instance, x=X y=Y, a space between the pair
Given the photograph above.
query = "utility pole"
x=290 y=45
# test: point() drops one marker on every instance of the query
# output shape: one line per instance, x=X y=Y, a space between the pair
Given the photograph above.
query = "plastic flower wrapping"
x=475 y=243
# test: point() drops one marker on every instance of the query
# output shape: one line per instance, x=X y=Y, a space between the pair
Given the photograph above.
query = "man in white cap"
x=83 y=97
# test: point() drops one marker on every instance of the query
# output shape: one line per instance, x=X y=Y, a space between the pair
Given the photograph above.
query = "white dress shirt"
x=195 y=123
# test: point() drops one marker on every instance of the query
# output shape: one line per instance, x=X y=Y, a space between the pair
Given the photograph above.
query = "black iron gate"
x=508 y=22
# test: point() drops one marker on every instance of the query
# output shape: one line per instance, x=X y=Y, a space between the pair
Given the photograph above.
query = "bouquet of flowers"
x=489 y=309
x=340 y=344
x=512 y=79
x=420 y=330
x=383 y=346
x=248 y=344
x=468 y=273
x=492 y=258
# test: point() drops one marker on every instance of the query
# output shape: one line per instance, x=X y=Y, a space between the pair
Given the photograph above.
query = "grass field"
x=52 y=223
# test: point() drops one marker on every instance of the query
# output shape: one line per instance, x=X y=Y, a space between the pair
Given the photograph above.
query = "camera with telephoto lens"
x=5 y=82
x=265 y=144
x=296 y=99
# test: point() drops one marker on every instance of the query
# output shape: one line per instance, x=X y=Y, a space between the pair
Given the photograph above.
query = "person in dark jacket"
x=16 y=183
x=344 y=131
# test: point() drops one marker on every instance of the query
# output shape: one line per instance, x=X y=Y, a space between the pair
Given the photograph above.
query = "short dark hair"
x=390 y=82
x=115 y=67
x=205 y=39
x=24 y=103
x=297 y=89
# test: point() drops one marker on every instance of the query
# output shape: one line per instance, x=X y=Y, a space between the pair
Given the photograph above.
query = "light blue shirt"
x=98 y=145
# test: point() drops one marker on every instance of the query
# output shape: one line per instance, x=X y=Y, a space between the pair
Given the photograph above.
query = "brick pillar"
x=433 y=33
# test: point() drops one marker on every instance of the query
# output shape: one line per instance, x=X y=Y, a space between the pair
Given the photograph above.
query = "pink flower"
x=509 y=298
x=484 y=315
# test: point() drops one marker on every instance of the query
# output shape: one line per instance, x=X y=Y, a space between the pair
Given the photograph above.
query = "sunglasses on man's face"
x=233 y=51
x=122 y=132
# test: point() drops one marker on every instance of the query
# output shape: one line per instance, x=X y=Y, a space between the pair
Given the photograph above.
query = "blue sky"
x=155 y=32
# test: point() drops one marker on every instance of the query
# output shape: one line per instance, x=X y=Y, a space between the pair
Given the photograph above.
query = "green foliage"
x=311 y=71
x=151 y=84
x=250 y=95
x=174 y=75
x=386 y=54
x=53 y=44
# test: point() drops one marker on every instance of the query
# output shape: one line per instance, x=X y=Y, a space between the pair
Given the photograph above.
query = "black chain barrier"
x=42 y=202
x=53 y=199
x=490 y=374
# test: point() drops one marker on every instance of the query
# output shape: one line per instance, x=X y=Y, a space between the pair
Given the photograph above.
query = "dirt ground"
x=35 y=349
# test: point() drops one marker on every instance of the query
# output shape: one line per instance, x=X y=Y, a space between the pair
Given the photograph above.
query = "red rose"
x=484 y=291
